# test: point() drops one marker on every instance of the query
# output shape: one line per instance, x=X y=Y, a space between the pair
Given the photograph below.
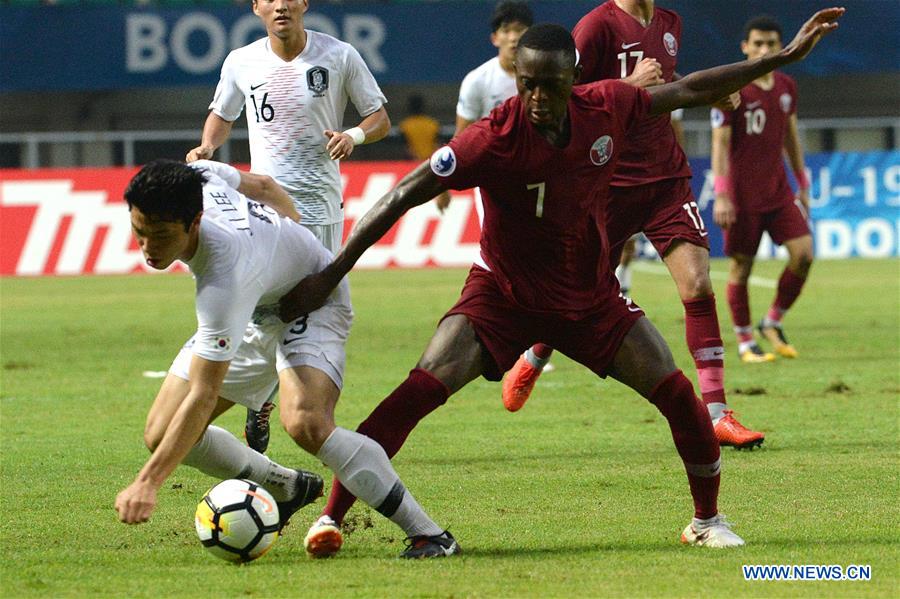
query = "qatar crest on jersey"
x=601 y=150
x=785 y=100
x=670 y=43
x=443 y=162
x=317 y=81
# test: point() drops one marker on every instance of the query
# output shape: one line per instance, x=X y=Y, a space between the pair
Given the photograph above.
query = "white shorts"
x=331 y=236
x=266 y=349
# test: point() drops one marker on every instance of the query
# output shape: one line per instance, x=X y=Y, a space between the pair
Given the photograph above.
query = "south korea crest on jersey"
x=317 y=81
x=601 y=150
x=443 y=162
x=670 y=43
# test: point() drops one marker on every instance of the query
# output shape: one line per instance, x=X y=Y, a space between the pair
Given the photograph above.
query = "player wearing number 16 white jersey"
x=294 y=85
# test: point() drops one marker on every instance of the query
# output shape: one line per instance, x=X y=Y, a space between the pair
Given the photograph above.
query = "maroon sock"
x=694 y=439
x=739 y=302
x=542 y=351
x=389 y=425
x=701 y=326
x=789 y=287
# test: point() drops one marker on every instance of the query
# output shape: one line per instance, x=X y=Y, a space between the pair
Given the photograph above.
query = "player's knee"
x=307 y=428
x=802 y=261
x=697 y=284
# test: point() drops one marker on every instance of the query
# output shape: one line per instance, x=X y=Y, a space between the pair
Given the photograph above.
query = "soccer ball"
x=237 y=520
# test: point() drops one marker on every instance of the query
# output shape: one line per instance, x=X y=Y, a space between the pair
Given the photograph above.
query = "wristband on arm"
x=802 y=181
x=357 y=135
x=721 y=184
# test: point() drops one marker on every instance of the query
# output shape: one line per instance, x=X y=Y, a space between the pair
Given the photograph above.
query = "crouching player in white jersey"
x=294 y=85
x=244 y=257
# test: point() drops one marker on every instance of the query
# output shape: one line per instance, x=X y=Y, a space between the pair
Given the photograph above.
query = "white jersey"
x=483 y=89
x=289 y=106
x=247 y=256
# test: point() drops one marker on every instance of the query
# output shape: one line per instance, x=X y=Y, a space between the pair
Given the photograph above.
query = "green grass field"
x=581 y=494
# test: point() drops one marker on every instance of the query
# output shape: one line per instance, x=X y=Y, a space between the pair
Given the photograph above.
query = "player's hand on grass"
x=723 y=211
x=442 y=201
x=339 y=146
x=200 y=153
x=729 y=102
x=820 y=24
x=309 y=294
x=136 y=502
x=646 y=73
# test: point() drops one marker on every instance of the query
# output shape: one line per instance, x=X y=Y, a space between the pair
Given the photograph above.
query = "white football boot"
x=713 y=532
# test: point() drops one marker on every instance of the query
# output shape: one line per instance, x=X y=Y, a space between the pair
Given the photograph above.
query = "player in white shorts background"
x=294 y=85
x=244 y=255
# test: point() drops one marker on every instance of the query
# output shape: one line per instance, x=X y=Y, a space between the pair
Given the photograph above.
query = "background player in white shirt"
x=243 y=256
x=487 y=86
x=294 y=85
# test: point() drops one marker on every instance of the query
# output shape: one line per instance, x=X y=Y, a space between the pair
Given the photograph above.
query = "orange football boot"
x=732 y=433
x=518 y=384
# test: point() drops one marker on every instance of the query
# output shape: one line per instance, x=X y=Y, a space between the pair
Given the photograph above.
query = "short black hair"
x=549 y=37
x=511 y=11
x=167 y=191
x=762 y=23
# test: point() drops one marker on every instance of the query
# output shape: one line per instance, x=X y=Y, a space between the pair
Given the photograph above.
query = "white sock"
x=623 y=274
x=220 y=455
x=364 y=468
x=745 y=346
x=716 y=411
x=535 y=360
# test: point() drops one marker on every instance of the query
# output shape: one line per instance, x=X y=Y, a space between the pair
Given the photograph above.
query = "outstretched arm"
x=414 y=189
x=708 y=86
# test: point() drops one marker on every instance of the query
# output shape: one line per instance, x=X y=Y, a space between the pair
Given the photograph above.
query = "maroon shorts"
x=506 y=330
x=665 y=211
x=782 y=224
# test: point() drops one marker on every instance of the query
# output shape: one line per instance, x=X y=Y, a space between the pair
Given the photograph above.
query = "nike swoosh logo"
x=754 y=104
x=626 y=46
x=253 y=87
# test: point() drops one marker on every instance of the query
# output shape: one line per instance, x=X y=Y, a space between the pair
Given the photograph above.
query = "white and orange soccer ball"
x=237 y=520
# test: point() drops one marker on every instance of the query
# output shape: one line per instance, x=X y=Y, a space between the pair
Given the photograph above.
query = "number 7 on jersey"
x=541 y=187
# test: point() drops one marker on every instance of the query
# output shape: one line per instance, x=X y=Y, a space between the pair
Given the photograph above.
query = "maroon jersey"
x=758 y=179
x=611 y=42
x=544 y=234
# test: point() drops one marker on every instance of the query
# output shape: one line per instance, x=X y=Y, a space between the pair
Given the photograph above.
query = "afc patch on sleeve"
x=443 y=162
